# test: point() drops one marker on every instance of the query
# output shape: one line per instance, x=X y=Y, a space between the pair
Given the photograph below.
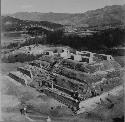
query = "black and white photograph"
x=62 y=61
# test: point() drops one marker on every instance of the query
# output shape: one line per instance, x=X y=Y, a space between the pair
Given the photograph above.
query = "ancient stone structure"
x=71 y=81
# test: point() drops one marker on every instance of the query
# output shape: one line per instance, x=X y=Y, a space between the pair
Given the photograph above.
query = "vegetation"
x=101 y=42
x=20 y=58
x=12 y=45
x=104 y=40
x=14 y=24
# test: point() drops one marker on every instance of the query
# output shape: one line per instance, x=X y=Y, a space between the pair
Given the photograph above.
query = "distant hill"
x=114 y=14
x=14 y=24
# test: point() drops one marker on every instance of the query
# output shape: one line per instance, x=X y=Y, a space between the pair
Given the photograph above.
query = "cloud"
x=26 y=6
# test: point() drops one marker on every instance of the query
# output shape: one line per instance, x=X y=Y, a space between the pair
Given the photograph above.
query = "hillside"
x=14 y=24
x=108 y=15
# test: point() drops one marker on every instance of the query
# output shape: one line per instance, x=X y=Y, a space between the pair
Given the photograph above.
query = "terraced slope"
x=50 y=74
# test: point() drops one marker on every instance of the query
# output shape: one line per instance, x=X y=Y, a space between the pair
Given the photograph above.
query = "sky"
x=58 y=6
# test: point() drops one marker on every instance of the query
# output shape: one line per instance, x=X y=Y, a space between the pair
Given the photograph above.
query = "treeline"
x=36 y=31
x=11 y=45
x=102 y=41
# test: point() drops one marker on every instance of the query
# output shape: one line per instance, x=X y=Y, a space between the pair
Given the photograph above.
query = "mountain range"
x=113 y=15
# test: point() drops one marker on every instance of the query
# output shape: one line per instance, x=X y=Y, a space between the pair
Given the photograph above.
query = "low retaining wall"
x=82 y=88
x=80 y=76
x=18 y=79
x=50 y=59
x=39 y=63
x=61 y=98
x=24 y=71
x=107 y=85
x=90 y=68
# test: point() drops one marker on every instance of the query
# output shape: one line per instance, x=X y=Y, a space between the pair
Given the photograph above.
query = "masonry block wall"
x=17 y=78
x=24 y=71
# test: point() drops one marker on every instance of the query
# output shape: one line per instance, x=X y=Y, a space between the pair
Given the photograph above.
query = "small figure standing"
x=23 y=110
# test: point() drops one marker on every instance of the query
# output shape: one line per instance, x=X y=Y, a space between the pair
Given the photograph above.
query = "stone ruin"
x=70 y=81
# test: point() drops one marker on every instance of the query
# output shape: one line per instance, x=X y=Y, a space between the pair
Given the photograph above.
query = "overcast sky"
x=58 y=6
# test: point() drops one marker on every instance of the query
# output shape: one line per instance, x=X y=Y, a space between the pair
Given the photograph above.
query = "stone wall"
x=24 y=71
x=82 y=88
x=17 y=78
x=61 y=98
x=107 y=85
